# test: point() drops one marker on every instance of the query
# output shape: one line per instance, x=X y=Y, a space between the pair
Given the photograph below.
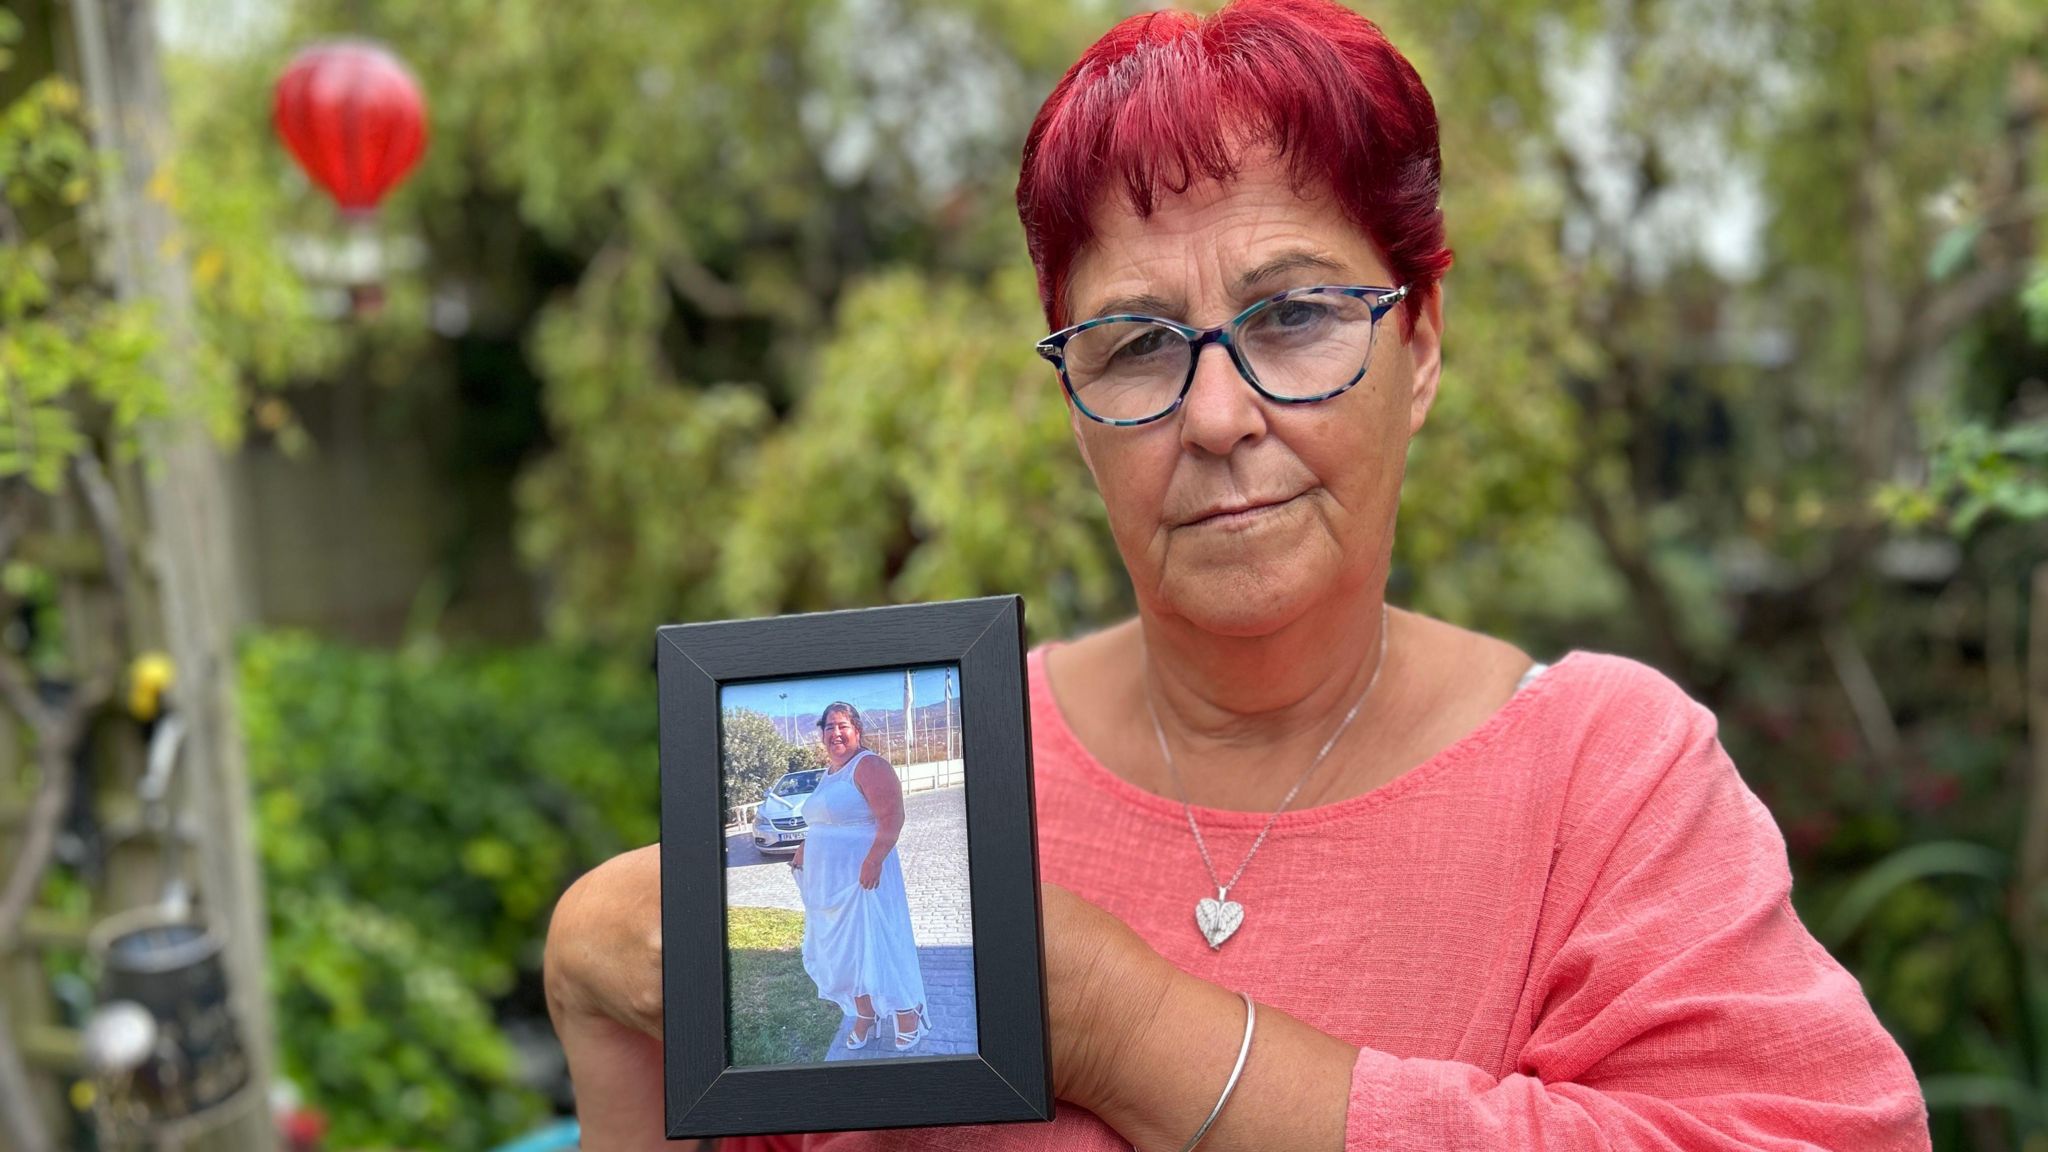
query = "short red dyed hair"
x=1166 y=99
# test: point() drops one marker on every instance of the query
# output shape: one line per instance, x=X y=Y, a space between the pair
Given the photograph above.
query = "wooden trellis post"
x=189 y=510
x=175 y=588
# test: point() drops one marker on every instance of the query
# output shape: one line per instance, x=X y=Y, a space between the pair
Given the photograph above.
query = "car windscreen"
x=797 y=783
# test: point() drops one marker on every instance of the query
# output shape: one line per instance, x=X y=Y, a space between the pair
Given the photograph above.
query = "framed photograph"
x=849 y=872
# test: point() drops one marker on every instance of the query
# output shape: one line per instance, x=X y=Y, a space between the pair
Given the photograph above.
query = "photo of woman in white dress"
x=857 y=941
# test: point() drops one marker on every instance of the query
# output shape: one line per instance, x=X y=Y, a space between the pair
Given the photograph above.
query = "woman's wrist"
x=1126 y=991
x=1165 y=1078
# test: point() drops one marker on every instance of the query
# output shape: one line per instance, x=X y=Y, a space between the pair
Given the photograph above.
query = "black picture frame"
x=1009 y=1078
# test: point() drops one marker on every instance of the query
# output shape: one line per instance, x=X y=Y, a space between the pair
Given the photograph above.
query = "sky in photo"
x=807 y=696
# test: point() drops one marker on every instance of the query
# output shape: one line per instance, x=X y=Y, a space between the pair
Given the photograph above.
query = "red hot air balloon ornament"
x=353 y=117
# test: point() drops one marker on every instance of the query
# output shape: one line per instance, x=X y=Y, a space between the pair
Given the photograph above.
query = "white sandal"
x=863 y=1041
x=924 y=1027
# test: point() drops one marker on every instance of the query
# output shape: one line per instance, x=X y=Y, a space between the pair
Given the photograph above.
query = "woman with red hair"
x=1323 y=874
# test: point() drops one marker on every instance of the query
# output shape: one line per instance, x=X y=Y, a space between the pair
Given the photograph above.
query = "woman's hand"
x=1104 y=985
x=871 y=871
x=797 y=861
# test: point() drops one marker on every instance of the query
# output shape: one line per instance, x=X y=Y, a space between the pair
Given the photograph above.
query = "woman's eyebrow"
x=1141 y=304
x=1293 y=261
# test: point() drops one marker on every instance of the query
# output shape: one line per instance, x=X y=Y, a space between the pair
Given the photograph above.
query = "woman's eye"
x=1295 y=314
x=1149 y=343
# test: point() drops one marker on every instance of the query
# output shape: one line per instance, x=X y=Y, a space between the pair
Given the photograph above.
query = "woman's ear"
x=1425 y=355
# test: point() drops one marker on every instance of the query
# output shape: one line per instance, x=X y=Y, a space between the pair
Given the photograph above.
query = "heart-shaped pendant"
x=1218 y=918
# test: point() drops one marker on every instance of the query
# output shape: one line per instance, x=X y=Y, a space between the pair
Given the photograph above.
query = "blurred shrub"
x=418 y=815
x=1929 y=932
x=382 y=1033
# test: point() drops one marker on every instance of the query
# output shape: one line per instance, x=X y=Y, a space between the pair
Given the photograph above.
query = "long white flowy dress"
x=857 y=941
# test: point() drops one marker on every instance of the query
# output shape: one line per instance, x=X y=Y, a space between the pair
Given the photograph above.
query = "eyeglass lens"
x=1298 y=348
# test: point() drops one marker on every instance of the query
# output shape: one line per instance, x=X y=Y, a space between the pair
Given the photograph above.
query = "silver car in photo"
x=779 y=821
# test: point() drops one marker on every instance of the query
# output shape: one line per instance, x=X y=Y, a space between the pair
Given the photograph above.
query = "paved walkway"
x=933 y=849
x=949 y=1005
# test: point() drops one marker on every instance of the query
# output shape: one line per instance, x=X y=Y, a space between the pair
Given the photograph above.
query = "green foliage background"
x=419 y=813
x=756 y=267
x=65 y=358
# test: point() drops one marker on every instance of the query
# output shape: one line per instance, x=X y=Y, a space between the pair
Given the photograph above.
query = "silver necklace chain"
x=1187 y=809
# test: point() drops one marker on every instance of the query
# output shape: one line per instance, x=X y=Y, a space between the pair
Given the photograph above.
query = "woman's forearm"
x=1168 y=1072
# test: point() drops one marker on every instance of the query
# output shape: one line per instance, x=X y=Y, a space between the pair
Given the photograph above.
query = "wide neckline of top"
x=850 y=763
x=1483 y=736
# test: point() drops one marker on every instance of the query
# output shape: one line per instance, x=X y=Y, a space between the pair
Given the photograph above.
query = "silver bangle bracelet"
x=1244 y=1049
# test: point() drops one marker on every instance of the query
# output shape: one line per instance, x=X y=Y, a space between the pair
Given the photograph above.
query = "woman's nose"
x=1221 y=409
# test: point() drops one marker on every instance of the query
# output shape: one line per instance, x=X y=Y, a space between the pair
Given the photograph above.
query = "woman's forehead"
x=1238 y=239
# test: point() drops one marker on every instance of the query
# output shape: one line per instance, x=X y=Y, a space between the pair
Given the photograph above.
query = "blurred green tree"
x=739 y=174
x=1710 y=273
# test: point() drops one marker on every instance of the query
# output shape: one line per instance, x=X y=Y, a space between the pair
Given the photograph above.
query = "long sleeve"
x=1674 y=1000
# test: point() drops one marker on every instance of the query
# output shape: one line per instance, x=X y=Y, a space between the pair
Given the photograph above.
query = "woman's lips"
x=1240 y=516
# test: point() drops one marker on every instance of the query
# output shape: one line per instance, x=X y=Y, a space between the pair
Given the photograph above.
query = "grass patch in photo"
x=777 y=1017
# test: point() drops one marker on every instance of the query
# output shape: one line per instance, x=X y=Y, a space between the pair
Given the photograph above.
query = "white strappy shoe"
x=924 y=1026
x=870 y=1034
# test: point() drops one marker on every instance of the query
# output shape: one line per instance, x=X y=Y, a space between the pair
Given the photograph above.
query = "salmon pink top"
x=1567 y=930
